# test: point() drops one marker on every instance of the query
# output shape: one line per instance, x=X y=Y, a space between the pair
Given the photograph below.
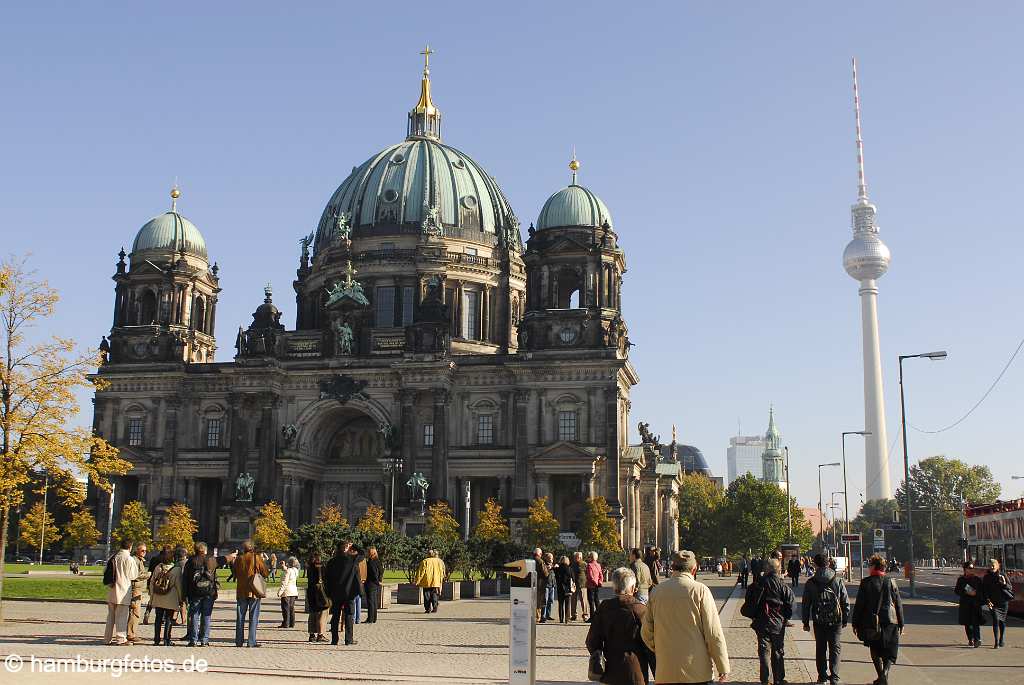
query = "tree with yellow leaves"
x=330 y=514
x=80 y=531
x=491 y=526
x=373 y=521
x=134 y=525
x=441 y=525
x=39 y=378
x=179 y=529
x=541 y=525
x=35 y=524
x=597 y=530
x=272 y=530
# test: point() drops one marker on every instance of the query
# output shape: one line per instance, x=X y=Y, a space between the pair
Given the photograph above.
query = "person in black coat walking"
x=827 y=604
x=564 y=587
x=769 y=605
x=374 y=580
x=341 y=578
x=878 y=618
x=997 y=592
x=968 y=589
x=318 y=599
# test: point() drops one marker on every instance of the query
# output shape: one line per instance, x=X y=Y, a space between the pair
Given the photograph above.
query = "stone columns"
x=407 y=399
x=268 y=447
x=485 y=314
x=612 y=451
x=439 y=452
x=521 y=449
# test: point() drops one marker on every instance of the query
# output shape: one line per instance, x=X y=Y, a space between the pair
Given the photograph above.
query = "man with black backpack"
x=828 y=605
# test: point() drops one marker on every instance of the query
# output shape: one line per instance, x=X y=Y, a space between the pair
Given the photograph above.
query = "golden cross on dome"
x=426 y=52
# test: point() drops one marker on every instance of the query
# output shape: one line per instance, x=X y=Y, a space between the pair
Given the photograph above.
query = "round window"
x=459 y=164
x=397 y=158
x=567 y=335
x=390 y=195
x=469 y=202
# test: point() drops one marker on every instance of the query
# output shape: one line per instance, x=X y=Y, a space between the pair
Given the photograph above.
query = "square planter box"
x=450 y=591
x=504 y=584
x=385 y=597
x=488 y=588
x=469 y=589
x=410 y=593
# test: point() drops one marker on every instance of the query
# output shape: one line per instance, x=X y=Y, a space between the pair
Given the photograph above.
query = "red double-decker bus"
x=996 y=531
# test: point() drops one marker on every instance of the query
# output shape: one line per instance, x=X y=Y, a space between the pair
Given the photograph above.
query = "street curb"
x=728 y=610
x=55 y=599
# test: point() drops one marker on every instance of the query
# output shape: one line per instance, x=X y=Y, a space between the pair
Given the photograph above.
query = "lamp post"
x=789 y=506
x=934 y=356
x=391 y=465
x=821 y=513
x=835 y=506
x=846 y=499
x=42 y=527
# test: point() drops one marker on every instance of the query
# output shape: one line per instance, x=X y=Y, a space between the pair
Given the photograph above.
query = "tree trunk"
x=4 y=516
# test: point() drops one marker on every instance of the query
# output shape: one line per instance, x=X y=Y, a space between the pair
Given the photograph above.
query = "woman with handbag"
x=968 y=589
x=317 y=599
x=997 y=592
x=878 y=618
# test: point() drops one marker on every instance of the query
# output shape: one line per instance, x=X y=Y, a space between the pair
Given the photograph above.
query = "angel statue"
x=305 y=242
x=343 y=337
x=342 y=229
x=244 y=486
x=418 y=485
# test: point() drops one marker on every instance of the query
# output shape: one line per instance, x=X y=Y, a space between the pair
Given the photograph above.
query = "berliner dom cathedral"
x=440 y=351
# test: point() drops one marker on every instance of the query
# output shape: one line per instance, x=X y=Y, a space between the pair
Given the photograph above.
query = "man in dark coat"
x=744 y=572
x=879 y=596
x=615 y=631
x=199 y=600
x=772 y=607
x=793 y=571
x=969 y=589
x=756 y=568
x=341 y=579
x=827 y=604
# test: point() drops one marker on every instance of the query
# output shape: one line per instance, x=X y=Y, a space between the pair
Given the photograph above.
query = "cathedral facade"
x=435 y=355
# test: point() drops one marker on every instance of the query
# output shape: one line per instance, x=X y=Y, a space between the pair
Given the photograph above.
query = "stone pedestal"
x=410 y=593
x=450 y=591
x=469 y=589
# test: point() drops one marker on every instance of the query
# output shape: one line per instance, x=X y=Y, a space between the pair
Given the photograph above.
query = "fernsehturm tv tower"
x=866 y=259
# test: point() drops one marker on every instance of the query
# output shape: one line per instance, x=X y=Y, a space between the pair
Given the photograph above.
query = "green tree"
x=700 y=509
x=179 y=529
x=134 y=525
x=938 y=483
x=81 y=531
x=598 y=531
x=272 y=530
x=754 y=517
x=36 y=523
x=541 y=525
x=491 y=524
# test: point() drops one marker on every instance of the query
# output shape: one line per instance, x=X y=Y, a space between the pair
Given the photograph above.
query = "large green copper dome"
x=394 y=191
x=170 y=233
x=573 y=206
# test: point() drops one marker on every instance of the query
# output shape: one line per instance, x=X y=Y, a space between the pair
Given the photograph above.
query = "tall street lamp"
x=789 y=505
x=846 y=499
x=934 y=356
x=821 y=513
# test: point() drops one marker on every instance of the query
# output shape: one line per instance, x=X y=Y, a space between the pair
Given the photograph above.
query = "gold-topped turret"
x=574 y=166
x=425 y=117
x=175 y=194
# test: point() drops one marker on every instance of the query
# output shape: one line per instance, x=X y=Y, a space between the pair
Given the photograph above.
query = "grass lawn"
x=25 y=568
x=91 y=587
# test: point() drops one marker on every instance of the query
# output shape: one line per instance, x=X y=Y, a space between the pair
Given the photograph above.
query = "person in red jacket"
x=595 y=577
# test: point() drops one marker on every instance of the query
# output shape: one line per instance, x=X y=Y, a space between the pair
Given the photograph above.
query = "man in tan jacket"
x=681 y=627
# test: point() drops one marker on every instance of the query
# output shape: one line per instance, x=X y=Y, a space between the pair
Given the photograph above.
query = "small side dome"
x=170 y=233
x=574 y=206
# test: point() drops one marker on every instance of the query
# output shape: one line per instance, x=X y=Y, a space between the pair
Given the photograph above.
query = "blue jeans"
x=358 y=608
x=199 y=611
x=549 y=601
x=250 y=606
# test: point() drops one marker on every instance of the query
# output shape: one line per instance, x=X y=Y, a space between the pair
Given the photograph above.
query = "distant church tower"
x=866 y=258
x=772 y=459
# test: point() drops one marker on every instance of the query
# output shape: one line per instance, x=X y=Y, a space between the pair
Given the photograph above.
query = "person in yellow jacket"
x=429 y=576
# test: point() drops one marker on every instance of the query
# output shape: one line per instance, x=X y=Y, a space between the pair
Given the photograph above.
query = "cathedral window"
x=408 y=297
x=384 y=304
x=214 y=428
x=485 y=429
x=428 y=435
x=470 y=314
x=567 y=426
x=135 y=432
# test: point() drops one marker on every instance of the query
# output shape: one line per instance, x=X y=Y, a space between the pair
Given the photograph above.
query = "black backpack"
x=109 y=575
x=827 y=610
x=202 y=584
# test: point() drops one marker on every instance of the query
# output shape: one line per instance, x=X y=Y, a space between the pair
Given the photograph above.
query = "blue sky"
x=721 y=140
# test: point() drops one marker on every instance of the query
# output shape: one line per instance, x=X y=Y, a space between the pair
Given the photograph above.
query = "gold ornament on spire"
x=574 y=165
x=175 y=194
x=425 y=117
x=425 y=104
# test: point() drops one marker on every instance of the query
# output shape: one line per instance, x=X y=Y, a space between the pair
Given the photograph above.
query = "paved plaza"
x=466 y=642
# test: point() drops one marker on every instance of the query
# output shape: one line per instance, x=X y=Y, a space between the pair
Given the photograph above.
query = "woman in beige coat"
x=166 y=592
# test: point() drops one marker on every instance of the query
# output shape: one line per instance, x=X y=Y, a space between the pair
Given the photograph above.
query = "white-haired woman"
x=615 y=631
x=288 y=592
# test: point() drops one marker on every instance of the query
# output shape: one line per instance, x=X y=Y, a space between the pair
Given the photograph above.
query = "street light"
x=934 y=356
x=789 y=505
x=391 y=466
x=846 y=500
x=821 y=513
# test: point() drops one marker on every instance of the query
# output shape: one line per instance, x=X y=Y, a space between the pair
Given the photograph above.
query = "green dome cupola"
x=574 y=206
x=170 y=234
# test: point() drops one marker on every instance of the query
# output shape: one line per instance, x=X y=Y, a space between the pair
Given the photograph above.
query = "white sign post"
x=522 y=646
